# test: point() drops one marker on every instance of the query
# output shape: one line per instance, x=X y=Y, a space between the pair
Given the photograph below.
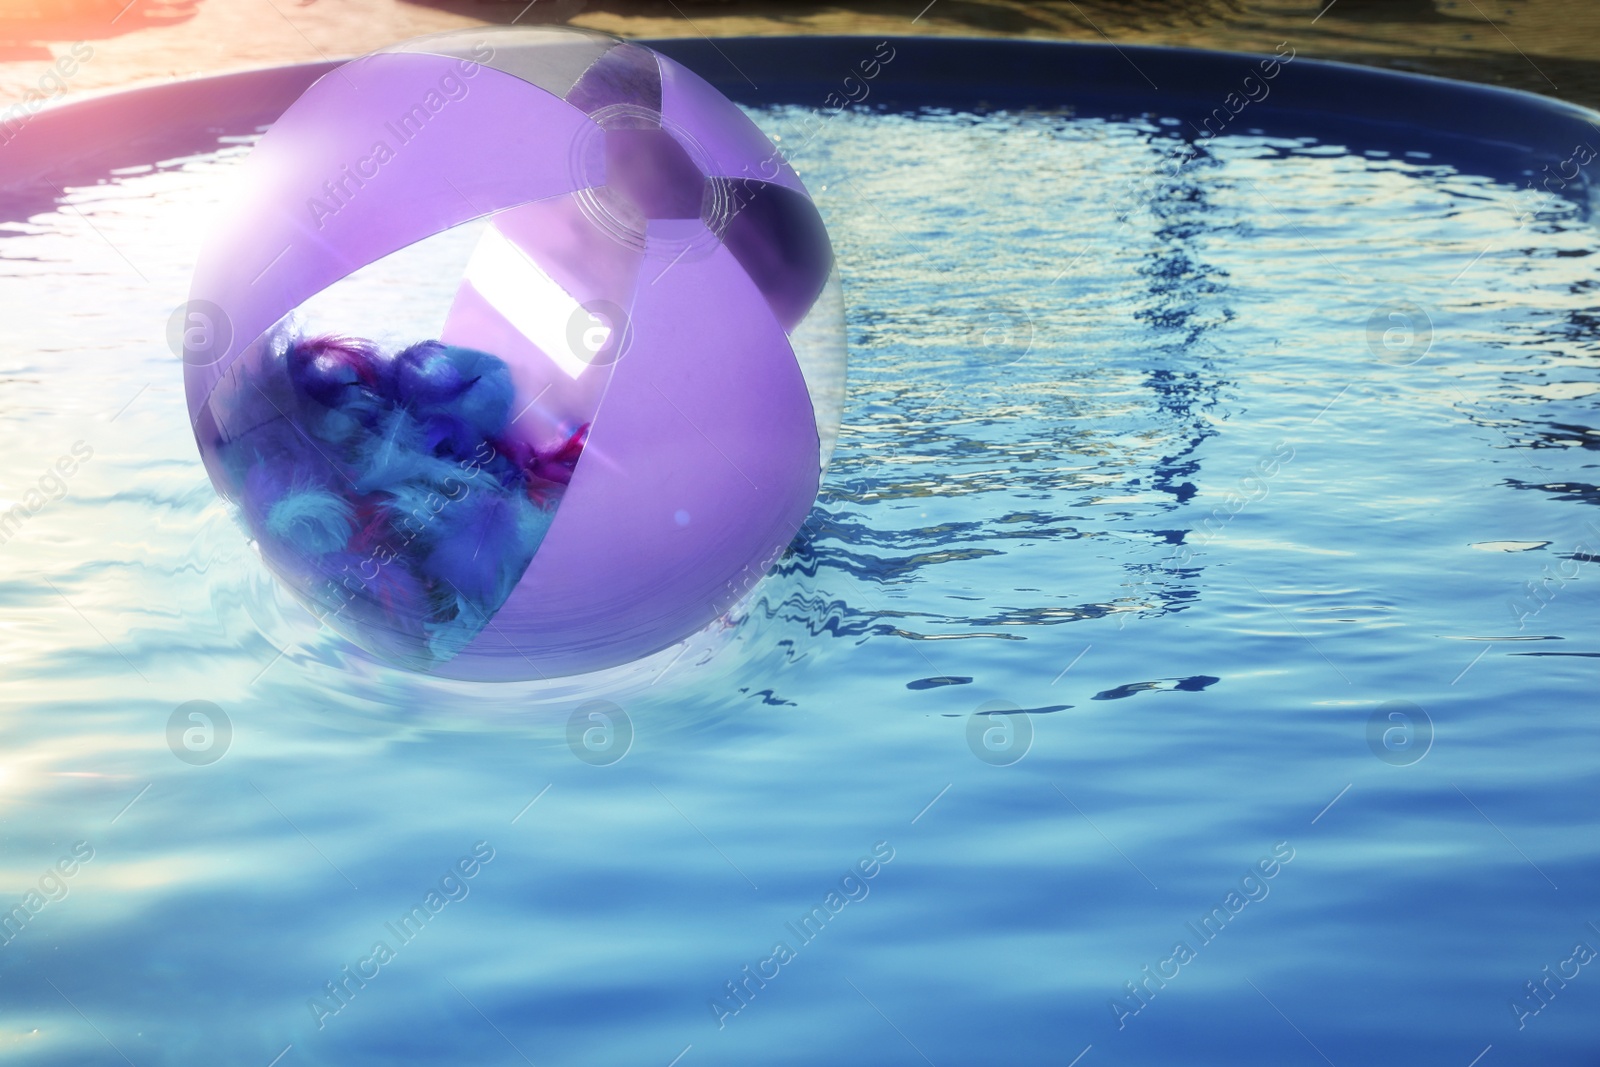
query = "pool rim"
x=1508 y=131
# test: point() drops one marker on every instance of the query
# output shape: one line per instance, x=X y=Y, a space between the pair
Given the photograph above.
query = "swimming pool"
x=1254 y=469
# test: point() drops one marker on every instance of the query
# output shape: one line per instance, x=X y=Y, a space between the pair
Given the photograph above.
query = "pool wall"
x=1501 y=133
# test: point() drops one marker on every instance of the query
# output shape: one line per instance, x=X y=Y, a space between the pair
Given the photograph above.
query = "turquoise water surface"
x=1260 y=485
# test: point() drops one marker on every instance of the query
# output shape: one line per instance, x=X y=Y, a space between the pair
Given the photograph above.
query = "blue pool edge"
x=1506 y=134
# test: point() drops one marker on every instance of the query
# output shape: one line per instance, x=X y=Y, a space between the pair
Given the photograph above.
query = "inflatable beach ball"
x=519 y=352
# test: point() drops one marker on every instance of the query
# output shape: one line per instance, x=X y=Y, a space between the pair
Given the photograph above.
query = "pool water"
x=1260 y=484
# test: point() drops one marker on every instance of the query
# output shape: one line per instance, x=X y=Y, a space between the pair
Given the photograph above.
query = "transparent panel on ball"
x=398 y=445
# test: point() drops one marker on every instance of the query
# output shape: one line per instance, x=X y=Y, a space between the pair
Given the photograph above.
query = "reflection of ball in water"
x=647 y=326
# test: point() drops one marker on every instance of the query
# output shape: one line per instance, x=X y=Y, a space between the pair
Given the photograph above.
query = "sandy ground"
x=1547 y=46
